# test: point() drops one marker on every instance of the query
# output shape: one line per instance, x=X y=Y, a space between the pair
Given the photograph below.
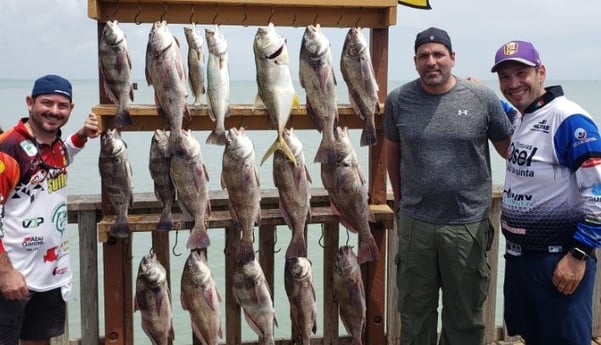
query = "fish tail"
x=297 y=248
x=217 y=137
x=120 y=229
x=368 y=249
x=165 y=221
x=325 y=154
x=199 y=237
x=122 y=118
x=280 y=144
x=368 y=135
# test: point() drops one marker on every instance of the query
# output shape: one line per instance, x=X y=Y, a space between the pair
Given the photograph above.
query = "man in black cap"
x=437 y=129
x=35 y=271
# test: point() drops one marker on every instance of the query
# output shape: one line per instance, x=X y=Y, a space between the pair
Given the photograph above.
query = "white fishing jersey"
x=553 y=178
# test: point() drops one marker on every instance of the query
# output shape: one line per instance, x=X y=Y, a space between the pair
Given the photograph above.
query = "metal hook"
x=164 y=11
x=216 y=14
x=245 y=15
x=348 y=238
x=360 y=14
x=175 y=244
x=151 y=251
x=321 y=238
x=341 y=16
x=116 y=10
x=138 y=22
x=294 y=18
x=276 y=241
x=191 y=20
x=270 y=16
x=315 y=19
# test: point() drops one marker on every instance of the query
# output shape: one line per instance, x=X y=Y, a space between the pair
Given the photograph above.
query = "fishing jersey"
x=553 y=178
x=34 y=206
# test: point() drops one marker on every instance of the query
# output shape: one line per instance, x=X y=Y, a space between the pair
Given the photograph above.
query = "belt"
x=519 y=249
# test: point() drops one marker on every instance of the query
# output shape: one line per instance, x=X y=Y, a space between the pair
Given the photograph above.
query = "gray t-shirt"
x=445 y=160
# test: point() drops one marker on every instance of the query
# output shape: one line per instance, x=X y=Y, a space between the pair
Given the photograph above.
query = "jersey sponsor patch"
x=29 y=148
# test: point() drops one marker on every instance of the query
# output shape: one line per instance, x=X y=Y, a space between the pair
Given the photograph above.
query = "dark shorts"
x=40 y=316
x=535 y=310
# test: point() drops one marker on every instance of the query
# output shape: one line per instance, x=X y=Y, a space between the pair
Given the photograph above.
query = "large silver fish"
x=218 y=84
x=298 y=281
x=199 y=296
x=349 y=293
x=115 y=66
x=153 y=301
x=292 y=182
x=319 y=81
x=239 y=176
x=158 y=164
x=196 y=63
x=358 y=73
x=349 y=199
x=190 y=178
x=274 y=84
x=251 y=292
x=165 y=72
x=116 y=176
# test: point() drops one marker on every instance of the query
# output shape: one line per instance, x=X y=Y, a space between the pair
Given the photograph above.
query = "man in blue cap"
x=551 y=213
x=437 y=129
x=35 y=271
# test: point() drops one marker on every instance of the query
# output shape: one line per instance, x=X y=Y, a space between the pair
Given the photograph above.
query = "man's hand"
x=568 y=274
x=90 y=127
x=12 y=283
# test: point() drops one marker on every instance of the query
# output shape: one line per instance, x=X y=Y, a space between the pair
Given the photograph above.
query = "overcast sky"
x=56 y=36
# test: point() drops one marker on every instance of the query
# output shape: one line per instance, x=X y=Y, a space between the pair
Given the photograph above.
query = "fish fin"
x=165 y=221
x=211 y=299
x=187 y=113
x=199 y=238
x=325 y=153
x=296 y=102
x=296 y=248
x=120 y=229
x=309 y=179
x=345 y=221
x=313 y=116
x=217 y=138
x=281 y=145
x=355 y=106
x=122 y=118
x=368 y=250
x=258 y=103
x=183 y=301
x=368 y=135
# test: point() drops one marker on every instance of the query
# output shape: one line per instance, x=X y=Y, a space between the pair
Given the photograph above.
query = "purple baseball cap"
x=520 y=51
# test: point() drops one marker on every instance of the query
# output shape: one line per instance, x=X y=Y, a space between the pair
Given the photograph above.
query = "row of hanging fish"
x=200 y=297
x=165 y=71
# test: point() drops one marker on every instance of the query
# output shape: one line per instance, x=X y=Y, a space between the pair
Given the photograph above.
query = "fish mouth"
x=277 y=53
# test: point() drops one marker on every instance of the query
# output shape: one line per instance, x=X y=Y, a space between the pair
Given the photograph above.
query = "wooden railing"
x=85 y=210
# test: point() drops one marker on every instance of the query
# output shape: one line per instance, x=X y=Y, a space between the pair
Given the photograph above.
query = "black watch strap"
x=579 y=254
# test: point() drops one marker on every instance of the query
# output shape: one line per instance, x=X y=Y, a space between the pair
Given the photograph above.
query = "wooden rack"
x=377 y=15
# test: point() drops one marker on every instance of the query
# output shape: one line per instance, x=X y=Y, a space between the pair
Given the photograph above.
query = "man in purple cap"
x=551 y=214
x=437 y=129
x=35 y=271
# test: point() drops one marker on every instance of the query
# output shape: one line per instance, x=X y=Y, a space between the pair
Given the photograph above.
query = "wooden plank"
x=374 y=277
x=341 y=13
x=118 y=296
x=88 y=276
x=222 y=219
x=393 y=317
x=330 y=307
x=233 y=322
x=146 y=118
x=490 y=306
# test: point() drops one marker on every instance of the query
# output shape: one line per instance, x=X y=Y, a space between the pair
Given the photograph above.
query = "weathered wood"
x=330 y=306
x=340 y=13
x=393 y=317
x=490 y=307
x=233 y=322
x=118 y=296
x=146 y=118
x=88 y=276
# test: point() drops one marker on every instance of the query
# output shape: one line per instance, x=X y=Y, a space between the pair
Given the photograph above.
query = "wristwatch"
x=578 y=254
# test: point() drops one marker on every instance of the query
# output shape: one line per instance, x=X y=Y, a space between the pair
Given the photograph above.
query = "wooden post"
x=88 y=277
x=330 y=307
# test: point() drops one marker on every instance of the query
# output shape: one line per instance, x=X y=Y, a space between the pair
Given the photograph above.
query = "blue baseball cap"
x=52 y=84
x=433 y=35
x=520 y=51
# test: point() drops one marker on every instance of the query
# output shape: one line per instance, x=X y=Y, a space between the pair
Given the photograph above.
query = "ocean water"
x=85 y=179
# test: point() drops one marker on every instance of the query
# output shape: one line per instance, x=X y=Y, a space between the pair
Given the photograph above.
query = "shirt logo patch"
x=580 y=134
x=29 y=148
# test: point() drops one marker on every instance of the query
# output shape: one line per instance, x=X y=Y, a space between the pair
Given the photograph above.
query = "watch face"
x=578 y=254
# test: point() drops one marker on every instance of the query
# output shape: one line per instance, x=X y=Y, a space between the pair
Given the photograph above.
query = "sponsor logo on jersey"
x=581 y=136
x=542 y=126
x=30 y=149
x=32 y=243
x=32 y=222
x=51 y=254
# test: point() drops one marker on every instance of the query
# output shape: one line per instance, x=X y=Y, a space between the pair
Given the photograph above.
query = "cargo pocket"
x=490 y=235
